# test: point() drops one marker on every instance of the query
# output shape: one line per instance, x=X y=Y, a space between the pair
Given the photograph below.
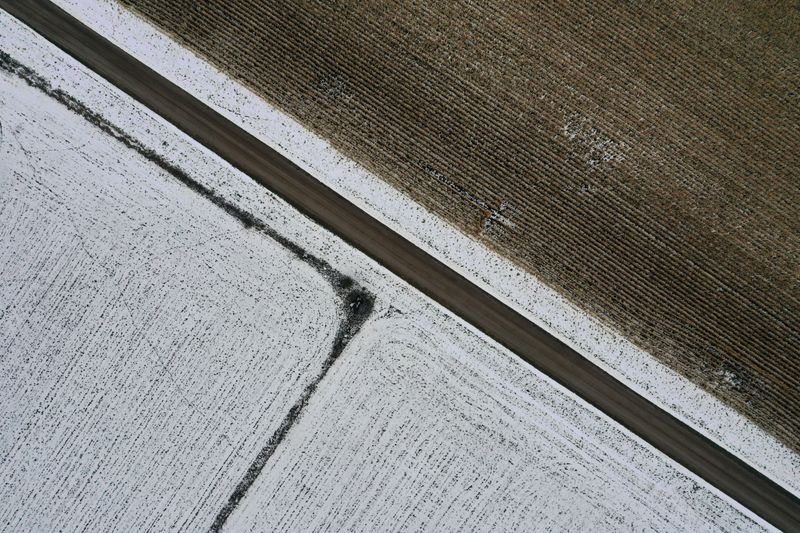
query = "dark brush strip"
x=359 y=305
x=248 y=154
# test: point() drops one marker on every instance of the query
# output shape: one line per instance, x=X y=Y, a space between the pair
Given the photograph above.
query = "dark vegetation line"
x=355 y=301
x=358 y=306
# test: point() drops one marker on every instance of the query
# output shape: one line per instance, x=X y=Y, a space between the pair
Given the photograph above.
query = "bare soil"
x=641 y=158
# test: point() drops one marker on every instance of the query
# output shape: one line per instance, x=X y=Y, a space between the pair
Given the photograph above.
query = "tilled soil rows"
x=641 y=159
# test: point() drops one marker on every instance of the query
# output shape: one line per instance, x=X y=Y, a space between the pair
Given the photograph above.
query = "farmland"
x=167 y=322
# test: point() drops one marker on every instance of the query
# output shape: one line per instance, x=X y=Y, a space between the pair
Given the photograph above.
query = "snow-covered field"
x=154 y=347
x=151 y=344
x=424 y=427
x=525 y=293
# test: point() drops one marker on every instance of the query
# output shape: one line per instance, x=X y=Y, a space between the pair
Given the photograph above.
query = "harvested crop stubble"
x=641 y=159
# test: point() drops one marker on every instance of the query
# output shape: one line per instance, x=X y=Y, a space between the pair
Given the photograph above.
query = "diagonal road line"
x=251 y=156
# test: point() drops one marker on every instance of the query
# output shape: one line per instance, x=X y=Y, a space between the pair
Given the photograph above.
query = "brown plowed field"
x=642 y=159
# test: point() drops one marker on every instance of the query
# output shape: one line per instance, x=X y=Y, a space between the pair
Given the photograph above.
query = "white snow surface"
x=603 y=346
x=147 y=331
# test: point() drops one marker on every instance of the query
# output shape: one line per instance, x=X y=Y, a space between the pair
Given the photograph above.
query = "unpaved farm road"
x=473 y=304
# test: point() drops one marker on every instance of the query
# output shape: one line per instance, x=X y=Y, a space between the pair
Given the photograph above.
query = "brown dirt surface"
x=641 y=158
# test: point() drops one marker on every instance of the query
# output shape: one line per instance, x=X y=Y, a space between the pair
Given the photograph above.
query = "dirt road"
x=447 y=287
